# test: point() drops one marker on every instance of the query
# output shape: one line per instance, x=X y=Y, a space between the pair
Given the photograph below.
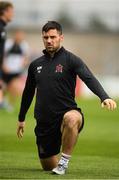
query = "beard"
x=51 y=49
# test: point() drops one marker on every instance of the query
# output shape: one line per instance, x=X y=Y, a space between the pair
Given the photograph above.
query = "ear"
x=62 y=37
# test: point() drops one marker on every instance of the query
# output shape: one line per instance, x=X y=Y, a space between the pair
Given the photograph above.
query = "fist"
x=109 y=104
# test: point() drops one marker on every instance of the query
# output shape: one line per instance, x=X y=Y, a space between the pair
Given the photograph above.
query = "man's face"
x=52 y=40
x=8 y=14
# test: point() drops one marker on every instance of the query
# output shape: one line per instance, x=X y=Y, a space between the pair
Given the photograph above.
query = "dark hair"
x=4 y=5
x=52 y=25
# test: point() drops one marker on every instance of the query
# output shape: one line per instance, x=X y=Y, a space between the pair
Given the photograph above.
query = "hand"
x=109 y=104
x=20 y=129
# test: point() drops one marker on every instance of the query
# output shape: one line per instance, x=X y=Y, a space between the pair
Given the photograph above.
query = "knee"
x=47 y=167
x=49 y=163
x=72 y=120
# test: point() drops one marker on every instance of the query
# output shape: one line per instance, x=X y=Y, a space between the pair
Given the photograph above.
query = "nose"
x=49 y=40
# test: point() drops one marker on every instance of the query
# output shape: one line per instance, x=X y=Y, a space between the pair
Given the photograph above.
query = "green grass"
x=96 y=155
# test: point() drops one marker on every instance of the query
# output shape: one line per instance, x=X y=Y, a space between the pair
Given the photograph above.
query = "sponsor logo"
x=39 y=68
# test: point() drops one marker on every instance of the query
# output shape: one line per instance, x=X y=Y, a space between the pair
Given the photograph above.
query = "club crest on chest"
x=59 y=68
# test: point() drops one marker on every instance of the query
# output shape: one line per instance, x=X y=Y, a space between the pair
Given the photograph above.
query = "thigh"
x=15 y=86
x=76 y=114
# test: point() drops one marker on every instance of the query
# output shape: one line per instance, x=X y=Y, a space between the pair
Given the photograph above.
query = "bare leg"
x=1 y=91
x=72 y=121
x=49 y=163
x=15 y=87
x=1 y=96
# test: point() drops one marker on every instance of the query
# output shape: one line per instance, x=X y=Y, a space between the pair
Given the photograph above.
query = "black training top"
x=2 y=40
x=55 y=81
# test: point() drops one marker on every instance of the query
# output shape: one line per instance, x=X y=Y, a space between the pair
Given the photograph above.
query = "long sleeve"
x=80 y=68
x=2 y=40
x=28 y=94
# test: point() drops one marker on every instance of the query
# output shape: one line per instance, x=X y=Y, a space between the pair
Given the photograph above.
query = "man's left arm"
x=93 y=84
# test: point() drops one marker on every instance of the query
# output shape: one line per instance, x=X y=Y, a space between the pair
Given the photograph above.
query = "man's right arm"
x=27 y=98
x=20 y=129
x=28 y=94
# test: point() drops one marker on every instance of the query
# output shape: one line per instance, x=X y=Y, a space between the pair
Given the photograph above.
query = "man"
x=16 y=52
x=6 y=15
x=58 y=119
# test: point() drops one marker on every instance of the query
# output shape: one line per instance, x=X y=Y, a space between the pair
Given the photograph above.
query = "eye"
x=52 y=37
x=45 y=37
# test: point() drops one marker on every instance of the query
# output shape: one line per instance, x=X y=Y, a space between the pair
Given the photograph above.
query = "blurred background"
x=91 y=30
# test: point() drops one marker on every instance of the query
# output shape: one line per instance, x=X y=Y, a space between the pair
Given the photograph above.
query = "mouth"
x=49 y=46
